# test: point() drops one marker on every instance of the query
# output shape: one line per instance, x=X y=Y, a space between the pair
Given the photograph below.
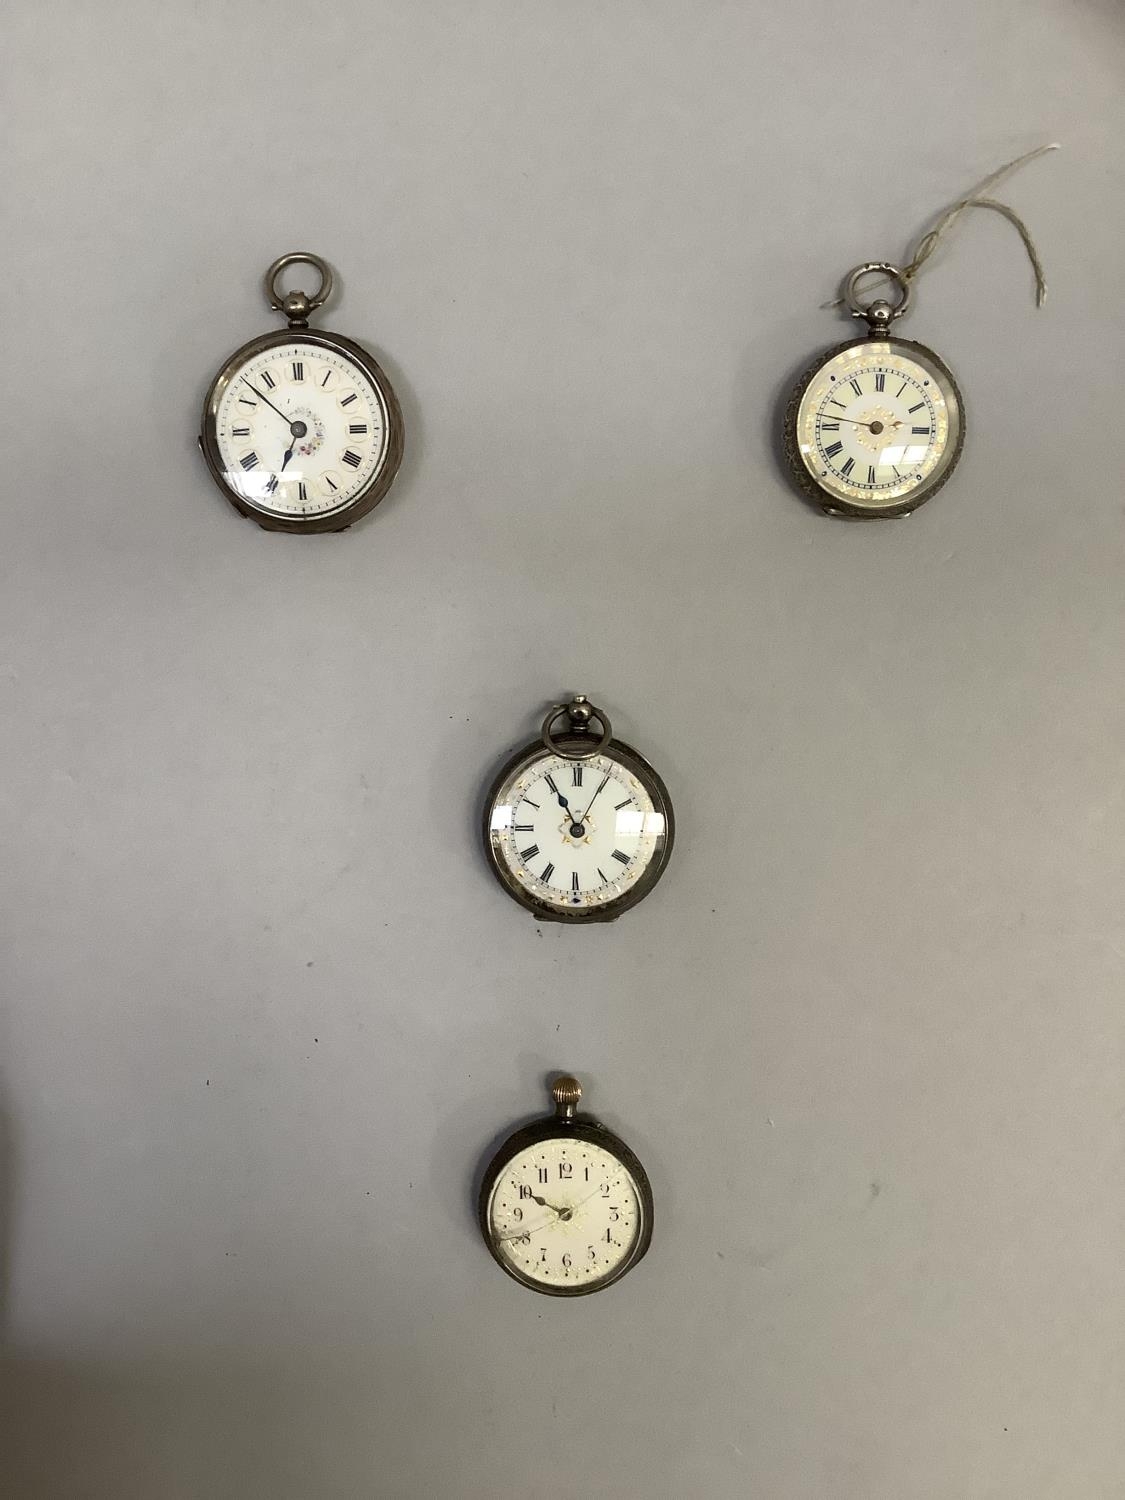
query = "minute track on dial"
x=574 y=844
x=871 y=455
x=874 y=426
x=596 y=1199
x=555 y=853
x=879 y=442
x=320 y=436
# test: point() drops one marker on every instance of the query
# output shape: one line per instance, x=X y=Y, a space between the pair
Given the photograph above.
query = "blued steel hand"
x=577 y=828
x=293 y=426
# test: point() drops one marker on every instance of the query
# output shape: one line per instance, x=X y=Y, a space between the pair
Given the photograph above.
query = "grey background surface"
x=264 y=1010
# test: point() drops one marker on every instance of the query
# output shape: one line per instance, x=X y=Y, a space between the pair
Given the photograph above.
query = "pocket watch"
x=577 y=826
x=301 y=429
x=875 y=425
x=565 y=1206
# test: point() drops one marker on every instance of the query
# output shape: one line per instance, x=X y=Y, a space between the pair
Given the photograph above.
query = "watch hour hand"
x=266 y=399
x=577 y=824
x=563 y=1213
x=561 y=1216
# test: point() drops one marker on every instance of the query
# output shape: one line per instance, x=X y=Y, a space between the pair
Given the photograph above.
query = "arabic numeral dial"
x=565 y=1213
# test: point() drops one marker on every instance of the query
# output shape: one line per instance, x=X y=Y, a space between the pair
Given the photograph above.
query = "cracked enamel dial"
x=578 y=839
x=876 y=427
x=565 y=1212
x=565 y=1207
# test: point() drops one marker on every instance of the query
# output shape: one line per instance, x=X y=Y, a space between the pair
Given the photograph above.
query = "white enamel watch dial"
x=576 y=833
x=565 y=1206
x=875 y=426
x=565 y=1211
x=878 y=424
x=301 y=429
x=580 y=835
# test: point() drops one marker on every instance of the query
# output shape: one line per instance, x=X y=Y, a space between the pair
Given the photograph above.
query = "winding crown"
x=566 y=1092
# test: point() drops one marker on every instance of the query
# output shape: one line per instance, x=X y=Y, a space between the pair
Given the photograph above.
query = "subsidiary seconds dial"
x=301 y=429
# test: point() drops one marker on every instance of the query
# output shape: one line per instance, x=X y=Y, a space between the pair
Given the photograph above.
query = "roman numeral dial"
x=302 y=432
x=875 y=427
x=592 y=826
x=578 y=839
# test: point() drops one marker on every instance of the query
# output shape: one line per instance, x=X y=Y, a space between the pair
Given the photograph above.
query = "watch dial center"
x=872 y=425
x=578 y=841
x=307 y=431
x=566 y=1214
x=301 y=434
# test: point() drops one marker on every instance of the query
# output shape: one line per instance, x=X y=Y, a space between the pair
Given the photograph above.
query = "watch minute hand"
x=883 y=426
x=852 y=420
x=583 y=1201
x=593 y=799
x=268 y=402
